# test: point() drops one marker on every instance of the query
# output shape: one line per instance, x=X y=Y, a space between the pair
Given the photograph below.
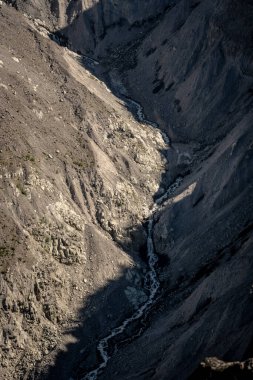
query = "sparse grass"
x=29 y=157
x=81 y=164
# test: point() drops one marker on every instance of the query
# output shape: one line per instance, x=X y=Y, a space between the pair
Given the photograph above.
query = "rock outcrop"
x=215 y=369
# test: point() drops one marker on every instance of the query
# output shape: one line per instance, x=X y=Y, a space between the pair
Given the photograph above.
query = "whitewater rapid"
x=152 y=279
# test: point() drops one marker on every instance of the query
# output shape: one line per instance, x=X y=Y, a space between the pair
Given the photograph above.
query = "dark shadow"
x=104 y=310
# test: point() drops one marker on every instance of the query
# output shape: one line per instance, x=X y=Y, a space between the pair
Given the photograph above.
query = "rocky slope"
x=76 y=183
x=80 y=173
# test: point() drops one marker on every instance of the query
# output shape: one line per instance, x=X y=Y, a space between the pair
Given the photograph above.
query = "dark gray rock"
x=215 y=369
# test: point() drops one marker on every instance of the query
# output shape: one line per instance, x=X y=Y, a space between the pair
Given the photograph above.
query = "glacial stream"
x=151 y=277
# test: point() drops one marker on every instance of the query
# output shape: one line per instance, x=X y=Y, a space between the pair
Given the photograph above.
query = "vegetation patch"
x=29 y=157
x=6 y=251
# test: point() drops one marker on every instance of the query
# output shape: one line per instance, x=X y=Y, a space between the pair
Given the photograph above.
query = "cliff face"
x=80 y=174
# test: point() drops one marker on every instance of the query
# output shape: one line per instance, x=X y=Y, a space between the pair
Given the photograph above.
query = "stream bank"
x=151 y=280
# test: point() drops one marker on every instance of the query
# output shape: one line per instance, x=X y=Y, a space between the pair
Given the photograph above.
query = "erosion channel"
x=151 y=281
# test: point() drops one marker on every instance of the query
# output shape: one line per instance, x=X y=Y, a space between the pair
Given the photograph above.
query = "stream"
x=151 y=277
x=151 y=280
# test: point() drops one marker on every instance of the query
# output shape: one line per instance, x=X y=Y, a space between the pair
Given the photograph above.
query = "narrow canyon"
x=126 y=190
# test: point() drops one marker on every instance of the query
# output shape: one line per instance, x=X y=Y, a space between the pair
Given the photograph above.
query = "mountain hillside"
x=126 y=166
